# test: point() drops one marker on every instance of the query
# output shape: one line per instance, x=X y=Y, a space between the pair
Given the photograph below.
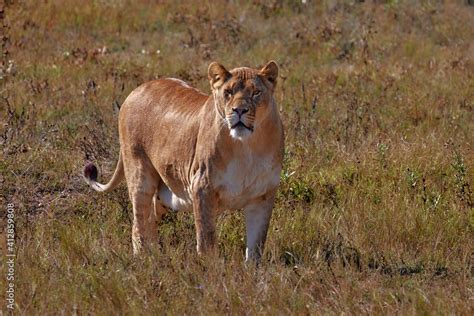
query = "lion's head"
x=243 y=96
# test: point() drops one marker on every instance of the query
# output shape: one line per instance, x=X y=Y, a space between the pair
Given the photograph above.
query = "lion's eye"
x=228 y=93
x=256 y=93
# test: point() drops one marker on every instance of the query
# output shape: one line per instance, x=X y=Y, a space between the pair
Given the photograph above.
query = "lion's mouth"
x=240 y=124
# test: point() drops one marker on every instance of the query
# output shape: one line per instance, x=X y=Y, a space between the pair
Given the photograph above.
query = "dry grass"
x=375 y=212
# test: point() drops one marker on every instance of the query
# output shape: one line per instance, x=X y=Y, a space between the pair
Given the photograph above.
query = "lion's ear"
x=217 y=75
x=270 y=71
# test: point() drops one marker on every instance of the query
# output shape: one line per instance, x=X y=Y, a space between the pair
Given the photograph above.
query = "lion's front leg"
x=257 y=220
x=204 y=220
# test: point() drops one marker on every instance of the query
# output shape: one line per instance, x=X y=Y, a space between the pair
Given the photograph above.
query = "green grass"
x=375 y=210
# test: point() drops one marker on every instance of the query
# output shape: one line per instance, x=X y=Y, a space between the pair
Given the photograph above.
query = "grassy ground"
x=375 y=211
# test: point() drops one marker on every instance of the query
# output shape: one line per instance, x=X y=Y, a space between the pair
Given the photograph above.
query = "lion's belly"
x=173 y=201
x=238 y=183
x=245 y=180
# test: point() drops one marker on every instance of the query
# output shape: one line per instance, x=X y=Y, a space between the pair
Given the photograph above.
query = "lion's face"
x=243 y=96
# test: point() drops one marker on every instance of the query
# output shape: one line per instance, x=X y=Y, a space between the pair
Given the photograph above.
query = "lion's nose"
x=240 y=111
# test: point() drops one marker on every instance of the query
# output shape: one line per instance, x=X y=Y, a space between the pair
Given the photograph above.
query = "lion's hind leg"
x=142 y=182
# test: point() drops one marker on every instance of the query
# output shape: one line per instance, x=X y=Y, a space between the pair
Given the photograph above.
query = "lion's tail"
x=90 y=175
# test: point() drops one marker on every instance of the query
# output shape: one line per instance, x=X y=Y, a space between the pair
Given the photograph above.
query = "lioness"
x=185 y=150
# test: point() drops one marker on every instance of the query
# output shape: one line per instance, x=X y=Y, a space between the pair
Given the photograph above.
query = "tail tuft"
x=90 y=176
x=90 y=172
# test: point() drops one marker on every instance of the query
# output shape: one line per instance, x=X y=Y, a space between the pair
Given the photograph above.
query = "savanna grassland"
x=375 y=209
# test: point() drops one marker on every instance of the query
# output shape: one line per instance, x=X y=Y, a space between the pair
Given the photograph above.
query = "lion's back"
x=159 y=107
x=167 y=93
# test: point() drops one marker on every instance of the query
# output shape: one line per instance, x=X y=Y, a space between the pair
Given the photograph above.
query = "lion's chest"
x=245 y=178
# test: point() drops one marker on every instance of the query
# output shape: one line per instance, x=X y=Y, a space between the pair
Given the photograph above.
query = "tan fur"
x=176 y=148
